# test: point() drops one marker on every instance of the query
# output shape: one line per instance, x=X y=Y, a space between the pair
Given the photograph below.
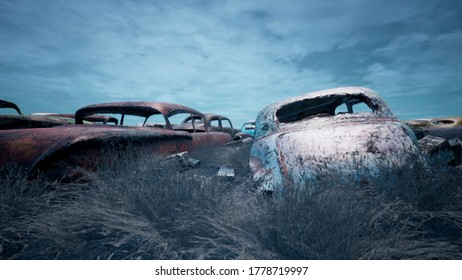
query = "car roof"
x=142 y=109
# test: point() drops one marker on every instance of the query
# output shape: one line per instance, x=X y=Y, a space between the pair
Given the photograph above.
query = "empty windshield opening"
x=111 y=119
x=356 y=108
x=323 y=107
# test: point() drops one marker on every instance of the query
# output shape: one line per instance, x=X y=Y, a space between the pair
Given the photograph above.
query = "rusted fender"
x=8 y=104
x=82 y=145
x=301 y=140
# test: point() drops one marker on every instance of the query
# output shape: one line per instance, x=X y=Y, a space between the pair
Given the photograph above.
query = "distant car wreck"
x=249 y=128
x=448 y=127
x=349 y=133
x=439 y=138
x=212 y=122
x=57 y=148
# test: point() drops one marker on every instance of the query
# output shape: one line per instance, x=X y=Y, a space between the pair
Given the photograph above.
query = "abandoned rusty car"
x=446 y=127
x=249 y=128
x=212 y=122
x=56 y=149
x=347 y=133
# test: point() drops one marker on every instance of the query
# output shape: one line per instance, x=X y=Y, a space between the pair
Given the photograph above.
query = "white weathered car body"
x=302 y=139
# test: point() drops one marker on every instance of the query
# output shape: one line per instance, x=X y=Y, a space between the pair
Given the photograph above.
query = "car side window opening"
x=123 y=119
x=197 y=120
x=176 y=121
x=156 y=121
x=215 y=123
x=178 y=118
x=355 y=108
x=115 y=119
x=131 y=120
x=226 y=123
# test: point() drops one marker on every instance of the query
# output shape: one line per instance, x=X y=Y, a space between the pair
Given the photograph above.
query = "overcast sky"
x=230 y=57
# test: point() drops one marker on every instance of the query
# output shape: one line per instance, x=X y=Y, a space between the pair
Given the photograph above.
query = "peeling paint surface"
x=301 y=139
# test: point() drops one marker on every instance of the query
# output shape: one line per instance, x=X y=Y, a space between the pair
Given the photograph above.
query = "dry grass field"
x=152 y=208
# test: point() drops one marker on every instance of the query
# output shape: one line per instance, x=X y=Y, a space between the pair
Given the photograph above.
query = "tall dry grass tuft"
x=149 y=207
